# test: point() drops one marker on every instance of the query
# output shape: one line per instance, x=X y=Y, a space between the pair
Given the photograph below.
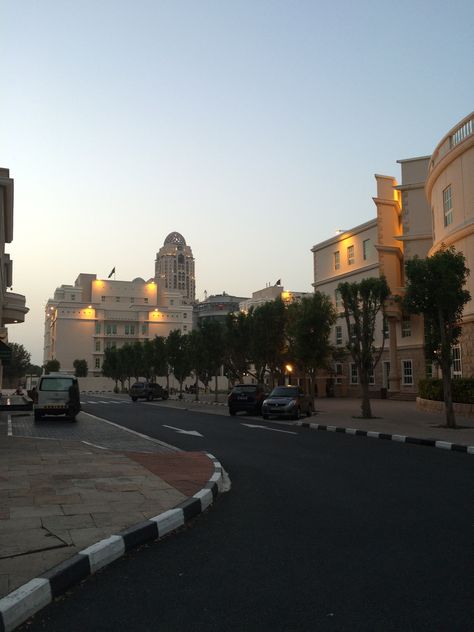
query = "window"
x=171 y=301
x=429 y=370
x=102 y=298
x=457 y=365
x=97 y=363
x=372 y=376
x=350 y=255
x=338 y=299
x=406 y=327
x=354 y=374
x=385 y=329
x=338 y=334
x=97 y=328
x=73 y=297
x=144 y=329
x=97 y=345
x=407 y=372
x=337 y=260
x=117 y=299
x=129 y=330
x=448 y=206
x=366 y=249
x=352 y=333
x=146 y=300
x=185 y=315
x=110 y=329
x=132 y=299
x=185 y=327
x=338 y=372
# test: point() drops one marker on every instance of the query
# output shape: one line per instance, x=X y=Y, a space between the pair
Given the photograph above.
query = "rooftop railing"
x=456 y=136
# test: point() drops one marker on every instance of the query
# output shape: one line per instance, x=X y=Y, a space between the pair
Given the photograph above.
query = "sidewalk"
x=59 y=497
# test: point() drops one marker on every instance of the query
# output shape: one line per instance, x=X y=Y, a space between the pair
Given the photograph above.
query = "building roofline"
x=403 y=160
x=345 y=233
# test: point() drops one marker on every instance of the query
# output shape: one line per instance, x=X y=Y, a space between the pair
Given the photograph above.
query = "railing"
x=451 y=140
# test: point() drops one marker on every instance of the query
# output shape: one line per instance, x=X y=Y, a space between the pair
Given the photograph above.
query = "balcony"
x=463 y=130
x=13 y=309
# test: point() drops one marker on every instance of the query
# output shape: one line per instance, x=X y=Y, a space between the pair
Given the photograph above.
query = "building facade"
x=450 y=194
x=84 y=319
x=174 y=267
x=12 y=305
x=216 y=307
x=433 y=206
x=270 y=293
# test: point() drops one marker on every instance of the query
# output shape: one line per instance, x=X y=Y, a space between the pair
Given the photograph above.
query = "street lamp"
x=289 y=369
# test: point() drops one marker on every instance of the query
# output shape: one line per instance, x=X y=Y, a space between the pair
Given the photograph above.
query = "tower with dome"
x=174 y=267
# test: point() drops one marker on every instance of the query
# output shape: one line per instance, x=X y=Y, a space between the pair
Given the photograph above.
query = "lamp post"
x=289 y=370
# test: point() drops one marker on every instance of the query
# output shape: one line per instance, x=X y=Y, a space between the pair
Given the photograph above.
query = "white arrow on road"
x=267 y=428
x=195 y=433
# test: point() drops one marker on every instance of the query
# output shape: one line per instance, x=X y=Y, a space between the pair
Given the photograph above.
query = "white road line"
x=138 y=434
x=94 y=445
x=267 y=428
x=195 y=433
x=10 y=429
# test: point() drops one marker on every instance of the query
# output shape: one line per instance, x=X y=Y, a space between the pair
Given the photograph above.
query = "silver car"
x=287 y=401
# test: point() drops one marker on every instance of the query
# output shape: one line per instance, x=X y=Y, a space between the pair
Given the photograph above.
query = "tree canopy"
x=435 y=288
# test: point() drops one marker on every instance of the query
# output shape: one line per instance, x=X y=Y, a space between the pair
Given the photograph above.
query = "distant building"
x=216 y=307
x=12 y=305
x=174 y=267
x=271 y=293
x=84 y=319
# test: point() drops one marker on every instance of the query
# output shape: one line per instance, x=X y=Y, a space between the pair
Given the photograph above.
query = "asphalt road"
x=320 y=531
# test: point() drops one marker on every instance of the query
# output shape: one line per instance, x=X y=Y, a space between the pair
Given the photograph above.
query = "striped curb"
x=433 y=443
x=30 y=598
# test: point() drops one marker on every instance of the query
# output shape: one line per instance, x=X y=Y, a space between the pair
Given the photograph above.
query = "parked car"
x=148 y=391
x=246 y=397
x=57 y=394
x=287 y=401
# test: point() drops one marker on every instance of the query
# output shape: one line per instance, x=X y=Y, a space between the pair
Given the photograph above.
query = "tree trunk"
x=448 y=396
x=215 y=397
x=196 y=387
x=365 y=405
x=312 y=379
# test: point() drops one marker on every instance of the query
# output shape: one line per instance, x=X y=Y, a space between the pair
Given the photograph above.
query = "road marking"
x=94 y=445
x=267 y=428
x=138 y=434
x=195 y=433
x=10 y=429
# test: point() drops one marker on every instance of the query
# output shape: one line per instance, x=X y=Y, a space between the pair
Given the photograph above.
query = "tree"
x=363 y=302
x=80 y=368
x=435 y=288
x=236 y=346
x=160 y=361
x=179 y=357
x=19 y=363
x=112 y=366
x=52 y=366
x=309 y=329
x=197 y=353
x=268 y=339
x=213 y=347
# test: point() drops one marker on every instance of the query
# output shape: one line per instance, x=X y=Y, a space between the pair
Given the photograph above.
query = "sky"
x=253 y=128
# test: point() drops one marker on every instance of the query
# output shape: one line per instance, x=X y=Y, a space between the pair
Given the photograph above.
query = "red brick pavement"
x=187 y=472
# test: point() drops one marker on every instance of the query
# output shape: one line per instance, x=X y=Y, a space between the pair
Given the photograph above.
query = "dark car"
x=148 y=391
x=247 y=398
x=287 y=401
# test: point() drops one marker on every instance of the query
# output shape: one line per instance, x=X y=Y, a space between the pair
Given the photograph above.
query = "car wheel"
x=231 y=412
x=134 y=399
x=73 y=418
x=296 y=415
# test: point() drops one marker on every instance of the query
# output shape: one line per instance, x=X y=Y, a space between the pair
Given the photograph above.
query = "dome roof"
x=138 y=280
x=175 y=238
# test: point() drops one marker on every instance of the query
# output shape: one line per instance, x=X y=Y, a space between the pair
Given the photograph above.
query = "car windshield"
x=55 y=384
x=138 y=385
x=281 y=391
x=245 y=389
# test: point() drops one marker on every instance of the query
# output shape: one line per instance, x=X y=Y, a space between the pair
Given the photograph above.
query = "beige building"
x=84 y=319
x=174 y=267
x=270 y=293
x=12 y=305
x=433 y=205
x=450 y=192
x=376 y=248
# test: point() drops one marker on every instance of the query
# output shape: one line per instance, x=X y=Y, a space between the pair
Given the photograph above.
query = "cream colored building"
x=372 y=249
x=270 y=293
x=174 y=267
x=12 y=305
x=84 y=319
x=450 y=192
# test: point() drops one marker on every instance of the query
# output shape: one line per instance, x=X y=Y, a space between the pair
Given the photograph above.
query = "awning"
x=5 y=353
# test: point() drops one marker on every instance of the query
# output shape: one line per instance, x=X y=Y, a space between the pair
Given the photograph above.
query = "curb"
x=30 y=598
x=432 y=443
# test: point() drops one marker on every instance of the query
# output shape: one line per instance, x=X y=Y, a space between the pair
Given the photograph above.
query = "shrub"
x=463 y=390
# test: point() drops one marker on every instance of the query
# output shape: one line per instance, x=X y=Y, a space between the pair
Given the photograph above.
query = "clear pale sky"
x=254 y=128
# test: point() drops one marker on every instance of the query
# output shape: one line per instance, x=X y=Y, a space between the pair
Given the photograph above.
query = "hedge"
x=462 y=388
